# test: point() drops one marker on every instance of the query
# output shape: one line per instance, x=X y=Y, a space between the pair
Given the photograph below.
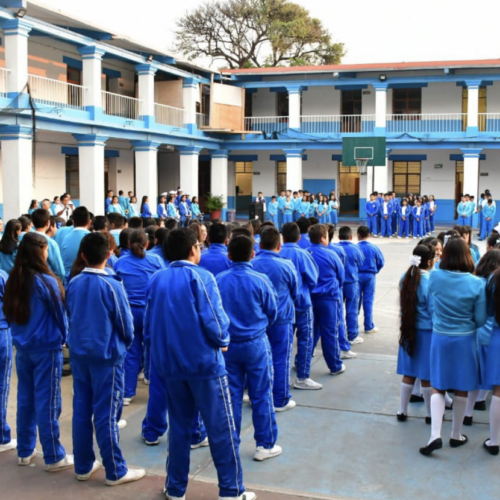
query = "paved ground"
x=342 y=442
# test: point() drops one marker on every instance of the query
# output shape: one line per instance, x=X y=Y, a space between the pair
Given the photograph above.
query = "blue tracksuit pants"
x=39 y=403
x=5 y=373
x=98 y=392
x=253 y=359
x=431 y=222
x=287 y=218
x=343 y=342
x=213 y=399
x=404 y=226
x=326 y=327
x=371 y=222
x=486 y=227
x=367 y=297
x=134 y=358
x=418 y=227
x=351 y=299
x=385 y=226
x=280 y=219
x=305 y=339
x=281 y=340
x=395 y=223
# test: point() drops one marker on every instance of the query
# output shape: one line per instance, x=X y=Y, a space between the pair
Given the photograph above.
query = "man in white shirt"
x=65 y=207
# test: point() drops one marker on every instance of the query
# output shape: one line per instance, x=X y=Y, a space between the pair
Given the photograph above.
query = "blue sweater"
x=374 y=259
x=70 y=247
x=158 y=250
x=62 y=233
x=355 y=259
x=331 y=273
x=3 y=280
x=425 y=304
x=54 y=259
x=215 y=259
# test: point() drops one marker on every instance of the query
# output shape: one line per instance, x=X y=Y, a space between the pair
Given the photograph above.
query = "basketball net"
x=361 y=164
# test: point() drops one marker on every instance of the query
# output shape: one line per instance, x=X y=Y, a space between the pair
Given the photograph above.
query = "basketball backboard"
x=363 y=148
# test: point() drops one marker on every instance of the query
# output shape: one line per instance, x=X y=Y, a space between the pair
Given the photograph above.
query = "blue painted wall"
x=319 y=185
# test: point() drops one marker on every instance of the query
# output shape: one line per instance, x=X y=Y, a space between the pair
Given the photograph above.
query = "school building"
x=83 y=110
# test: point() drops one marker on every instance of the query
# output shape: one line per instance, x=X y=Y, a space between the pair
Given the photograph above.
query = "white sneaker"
x=146 y=381
x=129 y=477
x=140 y=376
x=150 y=443
x=307 y=384
x=11 y=445
x=262 y=453
x=85 y=477
x=203 y=444
x=314 y=353
x=66 y=463
x=168 y=497
x=342 y=370
x=246 y=398
x=248 y=495
x=373 y=330
x=291 y=404
x=127 y=401
x=26 y=460
x=357 y=340
x=122 y=424
x=348 y=355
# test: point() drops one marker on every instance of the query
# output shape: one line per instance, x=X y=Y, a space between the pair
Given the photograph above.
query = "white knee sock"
x=447 y=399
x=471 y=401
x=494 y=421
x=437 y=412
x=482 y=395
x=427 y=393
x=459 y=405
x=416 y=388
x=405 y=398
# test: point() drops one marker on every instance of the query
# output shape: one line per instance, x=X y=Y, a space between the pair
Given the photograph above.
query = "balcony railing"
x=168 y=115
x=425 y=124
x=489 y=122
x=120 y=105
x=267 y=124
x=4 y=74
x=202 y=120
x=337 y=124
x=56 y=93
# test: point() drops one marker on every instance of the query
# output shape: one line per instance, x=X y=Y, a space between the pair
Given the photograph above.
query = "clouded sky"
x=372 y=30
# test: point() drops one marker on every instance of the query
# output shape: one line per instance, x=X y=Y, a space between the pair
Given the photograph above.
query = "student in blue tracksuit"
x=355 y=259
x=191 y=367
x=288 y=208
x=101 y=329
x=160 y=236
x=372 y=208
x=418 y=220
x=34 y=307
x=385 y=213
x=404 y=219
x=115 y=207
x=283 y=276
x=380 y=200
x=162 y=208
x=333 y=208
x=325 y=297
x=172 y=211
x=304 y=225
x=124 y=200
x=215 y=259
x=281 y=208
x=107 y=201
x=71 y=244
x=62 y=232
x=373 y=263
x=312 y=207
x=307 y=274
x=9 y=244
x=395 y=213
x=426 y=229
x=145 y=210
x=249 y=355
x=488 y=219
x=184 y=210
x=195 y=208
x=322 y=210
x=135 y=270
x=296 y=202
x=432 y=212
x=304 y=207
x=272 y=211
x=463 y=212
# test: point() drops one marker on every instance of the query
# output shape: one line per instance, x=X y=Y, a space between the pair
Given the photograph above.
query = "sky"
x=372 y=30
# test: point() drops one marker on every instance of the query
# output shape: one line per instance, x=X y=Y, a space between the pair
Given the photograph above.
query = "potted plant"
x=214 y=205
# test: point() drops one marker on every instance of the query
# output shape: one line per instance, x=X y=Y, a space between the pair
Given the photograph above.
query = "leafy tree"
x=256 y=33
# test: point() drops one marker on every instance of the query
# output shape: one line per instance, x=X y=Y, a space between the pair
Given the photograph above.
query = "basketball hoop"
x=361 y=164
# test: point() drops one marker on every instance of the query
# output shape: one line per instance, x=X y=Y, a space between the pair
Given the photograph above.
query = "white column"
x=16 y=32
x=146 y=73
x=91 y=167
x=368 y=182
x=190 y=95
x=294 y=97
x=294 y=179
x=472 y=106
x=17 y=170
x=381 y=175
x=189 y=156
x=146 y=171
x=91 y=78
x=380 y=107
x=471 y=172
x=219 y=176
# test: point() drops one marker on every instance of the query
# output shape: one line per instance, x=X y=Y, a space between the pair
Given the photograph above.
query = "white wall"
x=442 y=98
x=321 y=101
x=493 y=98
x=490 y=166
x=263 y=103
x=438 y=181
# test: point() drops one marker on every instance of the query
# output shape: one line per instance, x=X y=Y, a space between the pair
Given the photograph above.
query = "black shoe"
x=416 y=399
x=401 y=417
x=480 y=406
x=449 y=407
x=437 y=444
x=428 y=420
x=455 y=443
x=66 y=372
x=468 y=421
x=492 y=450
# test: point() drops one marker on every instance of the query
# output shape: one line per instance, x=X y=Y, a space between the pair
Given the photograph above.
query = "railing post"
x=92 y=74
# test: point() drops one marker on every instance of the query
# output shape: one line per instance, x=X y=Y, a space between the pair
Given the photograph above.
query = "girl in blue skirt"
x=416 y=329
x=334 y=206
x=459 y=302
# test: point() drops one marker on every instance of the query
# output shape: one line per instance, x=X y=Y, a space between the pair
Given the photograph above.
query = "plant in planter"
x=214 y=205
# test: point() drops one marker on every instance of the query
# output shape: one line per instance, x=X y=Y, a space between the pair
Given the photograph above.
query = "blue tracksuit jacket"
x=215 y=259
x=355 y=259
x=331 y=273
x=70 y=247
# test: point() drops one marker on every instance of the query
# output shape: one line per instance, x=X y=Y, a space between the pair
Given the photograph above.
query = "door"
x=351 y=111
x=204 y=185
x=348 y=190
x=244 y=184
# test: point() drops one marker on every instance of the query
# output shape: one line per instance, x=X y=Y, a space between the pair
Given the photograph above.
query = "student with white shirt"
x=418 y=219
x=404 y=219
x=64 y=208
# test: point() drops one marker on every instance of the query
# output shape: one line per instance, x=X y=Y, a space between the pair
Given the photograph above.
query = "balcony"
x=267 y=124
x=54 y=92
x=202 y=120
x=489 y=122
x=441 y=123
x=168 y=115
x=337 y=124
x=121 y=106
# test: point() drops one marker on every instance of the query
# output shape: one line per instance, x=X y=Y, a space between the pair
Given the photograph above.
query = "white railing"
x=267 y=124
x=202 y=120
x=489 y=122
x=427 y=123
x=168 y=115
x=4 y=74
x=337 y=124
x=121 y=105
x=56 y=93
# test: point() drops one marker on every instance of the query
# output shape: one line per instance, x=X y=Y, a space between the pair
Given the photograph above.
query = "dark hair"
x=304 y=224
x=124 y=238
x=331 y=231
x=363 y=232
x=291 y=232
x=29 y=264
x=267 y=223
x=488 y=264
x=40 y=217
x=241 y=231
x=144 y=198
x=171 y=224
x=33 y=203
x=139 y=241
x=10 y=239
x=135 y=223
x=179 y=244
x=116 y=219
x=95 y=247
x=317 y=232
x=269 y=238
x=256 y=225
x=99 y=223
x=161 y=234
x=313 y=221
x=148 y=221
x=345 y=233
x=240 y=249
x=217 y=233
x=492 y=241
x=457 y=257
x=81 y=217
x=408 y=297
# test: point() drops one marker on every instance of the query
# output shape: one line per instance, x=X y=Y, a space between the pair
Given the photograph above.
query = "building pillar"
x=473 y=107
x=190 y=95
x=219 y=176
x=189 y=156
x=146 y=74
x=91 y=79
x=471 y=172
x=294 y=179
x=380 y=108
x=382 y=174
x=294 y=100
x=146 y=171
x=91 y=171
x=17 y=170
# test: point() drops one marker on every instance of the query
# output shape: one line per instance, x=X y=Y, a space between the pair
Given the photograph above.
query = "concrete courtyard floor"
x=342 y=442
